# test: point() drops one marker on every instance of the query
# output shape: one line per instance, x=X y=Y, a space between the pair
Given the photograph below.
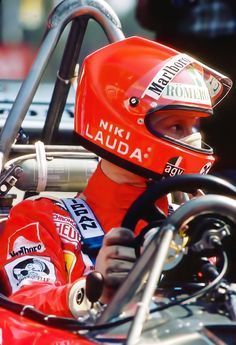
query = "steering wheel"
x=210 y=184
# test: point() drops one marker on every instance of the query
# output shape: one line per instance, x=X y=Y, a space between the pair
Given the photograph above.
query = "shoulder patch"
x=28 y=268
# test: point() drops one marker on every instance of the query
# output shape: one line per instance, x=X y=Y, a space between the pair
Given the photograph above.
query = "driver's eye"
x=175 y=126
x=176 y=131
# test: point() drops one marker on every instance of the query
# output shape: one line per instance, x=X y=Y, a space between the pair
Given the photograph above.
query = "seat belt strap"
x=87 y=224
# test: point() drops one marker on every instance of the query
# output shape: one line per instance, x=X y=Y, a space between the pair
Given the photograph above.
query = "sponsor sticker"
x=192 y=89
x=25 y=240
x=66 y=229
x=87 y=224
x=172 y=167
x=214 y=86
x=166 y=74
x=187 y=93
x=29 y=268
x=205 y=169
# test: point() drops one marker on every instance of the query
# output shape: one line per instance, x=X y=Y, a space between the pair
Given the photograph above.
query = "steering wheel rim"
x=156 y=190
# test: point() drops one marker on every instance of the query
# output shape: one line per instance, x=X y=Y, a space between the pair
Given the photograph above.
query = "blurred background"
x=22 y=25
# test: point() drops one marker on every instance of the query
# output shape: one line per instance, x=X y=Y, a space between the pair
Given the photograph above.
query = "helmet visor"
x=180 y=82
x=173 y=96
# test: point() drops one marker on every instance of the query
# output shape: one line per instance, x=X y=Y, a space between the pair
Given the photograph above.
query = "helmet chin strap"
x=194 y=139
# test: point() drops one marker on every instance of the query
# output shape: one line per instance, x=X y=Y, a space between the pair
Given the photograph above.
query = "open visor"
x=183 y=87
x=179 y=81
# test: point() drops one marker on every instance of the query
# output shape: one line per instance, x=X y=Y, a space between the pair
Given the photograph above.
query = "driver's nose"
x=190 y=127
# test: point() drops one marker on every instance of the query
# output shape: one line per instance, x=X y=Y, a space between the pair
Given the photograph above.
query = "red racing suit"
x=41 y=252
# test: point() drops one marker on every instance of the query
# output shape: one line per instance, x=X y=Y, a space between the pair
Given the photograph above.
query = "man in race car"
x=138 y=107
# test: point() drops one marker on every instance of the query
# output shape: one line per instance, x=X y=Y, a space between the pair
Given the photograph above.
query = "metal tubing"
x=62 y=174
x=65 y=74
x=99 y=10
x=217 y=204
x=24 y=149
x=65 y=12
x=153 y=278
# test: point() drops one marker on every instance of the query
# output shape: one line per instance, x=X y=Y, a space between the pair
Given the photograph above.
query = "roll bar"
x=78 y=12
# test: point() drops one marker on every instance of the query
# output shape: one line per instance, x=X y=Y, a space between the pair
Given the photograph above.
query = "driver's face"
x=176 y=126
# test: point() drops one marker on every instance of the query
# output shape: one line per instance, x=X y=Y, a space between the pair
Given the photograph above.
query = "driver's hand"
x=115 y=260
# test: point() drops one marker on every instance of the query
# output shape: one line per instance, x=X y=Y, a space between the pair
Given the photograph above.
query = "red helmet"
x=123 y=84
